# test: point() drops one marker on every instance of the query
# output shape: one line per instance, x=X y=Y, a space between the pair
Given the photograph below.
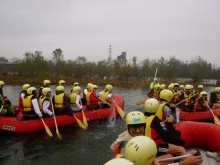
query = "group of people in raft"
x=151 y=136
x=186 y=97
x=39 y=104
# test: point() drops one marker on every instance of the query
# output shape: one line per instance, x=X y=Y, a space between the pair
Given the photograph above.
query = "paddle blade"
x=80 y=123
x=140 y=102
x=216 y=120
x=47 y=129
x=120 y=111
x=84 y=119
x=58 y=134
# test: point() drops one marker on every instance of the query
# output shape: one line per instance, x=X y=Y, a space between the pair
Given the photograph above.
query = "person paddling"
x=30 y=103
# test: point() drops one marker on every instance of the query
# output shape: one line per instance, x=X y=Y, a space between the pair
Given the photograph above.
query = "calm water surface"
x=77 y=147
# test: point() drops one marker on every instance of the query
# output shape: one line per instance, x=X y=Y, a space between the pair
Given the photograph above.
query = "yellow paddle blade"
x=46 y=128
x=80 y=123
x=48 y=131
x=84 y=119
x=58 y=134
x=216 y=120
x=120 y=111
x=140 y=102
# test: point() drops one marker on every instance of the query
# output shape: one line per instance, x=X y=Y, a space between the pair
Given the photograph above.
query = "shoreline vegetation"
x=17 y=80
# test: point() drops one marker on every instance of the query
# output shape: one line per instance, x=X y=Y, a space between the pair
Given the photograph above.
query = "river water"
x=77 y=146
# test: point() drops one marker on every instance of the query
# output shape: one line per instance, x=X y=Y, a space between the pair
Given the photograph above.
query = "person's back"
x=30 y=104
x=91 y=99
x=61 y=102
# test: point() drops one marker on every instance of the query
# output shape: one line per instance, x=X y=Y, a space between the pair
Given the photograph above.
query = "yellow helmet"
x=109 y=87
x=46 y=82
x=89 y=85
x=176 y=85
x=119 y=161
x=45 y=91
x=75 y=84
x=135 y=117
x=141 y=150
x=30 y=90
x=151 y=105
x=62 y=82
x=166 y=94
x=25 y=87
x=217 y=89
x=187 y=87
x=60 y=88
x=202 y=93
x=76 y=89
x=162 y=86
x=1 y=83
x=171 y=86
x=93 y=87
x=181 y=86
x=200 y=86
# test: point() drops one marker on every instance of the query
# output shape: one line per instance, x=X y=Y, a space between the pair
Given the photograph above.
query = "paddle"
x=55 y=121
x=106 y=102
x=174 y=158
x=79 y=122
x=1 y=109
x=84 y=119
x=140 y=102
x=155 y=76
x=120 y=111
x=46 y=128
x=216 y=120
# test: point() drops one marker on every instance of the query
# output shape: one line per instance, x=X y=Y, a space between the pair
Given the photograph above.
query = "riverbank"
x=15 y=80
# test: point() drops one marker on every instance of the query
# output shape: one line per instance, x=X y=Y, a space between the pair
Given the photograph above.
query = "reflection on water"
x=77 y=146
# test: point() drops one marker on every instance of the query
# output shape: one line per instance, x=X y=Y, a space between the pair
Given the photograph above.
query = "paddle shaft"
x=155 y=76
x=1 y=109
x=174 y=158
x=187 y=98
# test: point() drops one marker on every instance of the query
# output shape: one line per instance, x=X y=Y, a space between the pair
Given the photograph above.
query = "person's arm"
x=46 y=105
x=192 y=160
x=22 y=95
x=78 y=100
x=36 y=107
x=167 y=133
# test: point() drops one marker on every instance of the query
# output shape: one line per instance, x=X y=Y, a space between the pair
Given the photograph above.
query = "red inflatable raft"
x=198 y=116
x=16 y=124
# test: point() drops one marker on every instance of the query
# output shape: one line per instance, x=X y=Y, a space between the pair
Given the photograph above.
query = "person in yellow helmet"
x=202 y=102
x=152 y=87
x=214 y=99
x=45 y=102
x=62 y=83
x=92 y=101
x=61 y=102
x=75 y=100
x=46 y=83
x=106 y=96
x=167 y=139
x=85 y=91
x=30 y=103
x=187 y=99
x=23 y=93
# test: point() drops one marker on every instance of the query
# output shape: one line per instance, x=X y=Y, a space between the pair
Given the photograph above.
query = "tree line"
x=35 y=64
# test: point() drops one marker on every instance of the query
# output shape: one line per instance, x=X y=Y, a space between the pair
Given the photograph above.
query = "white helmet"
x=119 y=161
x=141 y=150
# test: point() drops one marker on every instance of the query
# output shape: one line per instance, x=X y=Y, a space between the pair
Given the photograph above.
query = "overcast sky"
x=141 y=28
